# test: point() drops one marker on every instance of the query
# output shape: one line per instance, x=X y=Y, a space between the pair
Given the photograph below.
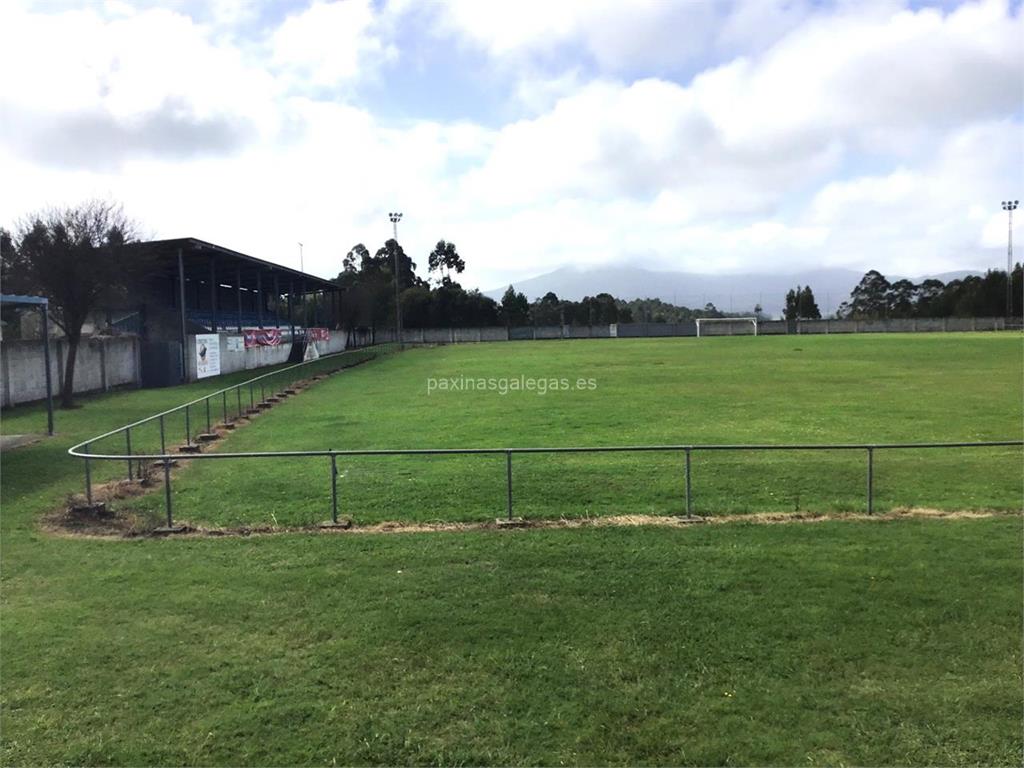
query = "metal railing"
x=235 y=402
x=83 y=450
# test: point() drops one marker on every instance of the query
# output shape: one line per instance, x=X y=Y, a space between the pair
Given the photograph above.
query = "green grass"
x=853 y=389
x=838 y=643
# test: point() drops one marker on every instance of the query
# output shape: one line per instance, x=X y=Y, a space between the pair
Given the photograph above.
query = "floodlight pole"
x=395 y=218
x=301 y=263
x=1009 y=206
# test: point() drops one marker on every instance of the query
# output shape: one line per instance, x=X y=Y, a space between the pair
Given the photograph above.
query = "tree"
x=445 y=259
x=384 y=261
x=902 y=299
x=546 y=310
x=78 y=257
x=869 y=299
x=800 y=305
x=515 y=309
x=807 y=306
x=792 y=309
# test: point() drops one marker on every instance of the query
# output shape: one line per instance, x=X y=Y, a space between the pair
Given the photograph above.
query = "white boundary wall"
x=719 y=327
x=103 y=362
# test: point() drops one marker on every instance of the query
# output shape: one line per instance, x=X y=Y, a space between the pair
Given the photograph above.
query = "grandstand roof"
x=196 y=254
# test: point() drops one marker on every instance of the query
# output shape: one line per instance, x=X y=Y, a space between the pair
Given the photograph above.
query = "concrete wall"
x=102 y=363
x=257 y=357
x=494 y=334
x=689 y=328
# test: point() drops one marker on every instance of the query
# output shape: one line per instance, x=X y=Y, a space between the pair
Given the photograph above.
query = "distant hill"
x=739 y=292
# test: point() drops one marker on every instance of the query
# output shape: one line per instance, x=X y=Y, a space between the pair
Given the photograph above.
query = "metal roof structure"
x=11 y=299
x=197 y=255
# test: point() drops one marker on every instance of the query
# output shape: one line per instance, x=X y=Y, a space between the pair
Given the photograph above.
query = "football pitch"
x=837 y=642
x=741 y=390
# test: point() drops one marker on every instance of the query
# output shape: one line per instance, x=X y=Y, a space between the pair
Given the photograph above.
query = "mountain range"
x=733 y=292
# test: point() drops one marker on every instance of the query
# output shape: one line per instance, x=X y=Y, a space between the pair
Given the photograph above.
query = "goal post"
x=700 y=320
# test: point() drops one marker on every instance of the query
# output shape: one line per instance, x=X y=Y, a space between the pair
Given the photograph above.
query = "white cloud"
x=864 y=138
x=329 y=44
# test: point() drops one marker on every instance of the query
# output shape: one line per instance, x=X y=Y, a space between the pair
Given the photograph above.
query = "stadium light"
x=1009 y=206
x=395 y=218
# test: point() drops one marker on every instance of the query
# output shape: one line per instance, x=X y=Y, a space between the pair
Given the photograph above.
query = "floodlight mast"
x=1009 y=206
x=396 y=217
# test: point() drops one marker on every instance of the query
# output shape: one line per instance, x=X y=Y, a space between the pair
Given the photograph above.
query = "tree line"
x=439 y=301
x=875 y=297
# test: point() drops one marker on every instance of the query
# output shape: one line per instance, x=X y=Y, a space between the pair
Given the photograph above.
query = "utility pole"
x=1009 y=206
x=395 y=218
x=301 y=267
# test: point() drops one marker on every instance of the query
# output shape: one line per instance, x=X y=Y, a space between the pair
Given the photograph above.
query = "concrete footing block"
x=342 y=524
x=190 y=448
x=90 y=511
x=515 y=522
x=165 y=530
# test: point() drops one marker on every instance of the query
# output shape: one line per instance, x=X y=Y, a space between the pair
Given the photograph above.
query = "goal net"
x=731 y=322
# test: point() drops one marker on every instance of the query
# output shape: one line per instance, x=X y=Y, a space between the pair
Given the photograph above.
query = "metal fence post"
x=238 y=395
x=508 y=479
x=224 y=399
x=88 y=478
x=128 y=449
x=334 y=489
x=689 y=493
x=167 y=491
x=209 y=428
x=871 y=473
x=163 y=441
x=252 y=397
x=188 y=428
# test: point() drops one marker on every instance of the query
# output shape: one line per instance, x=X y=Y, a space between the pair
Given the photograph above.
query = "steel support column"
x=46 y=366
x=259 y=297
x=291 y=319
x=181 y=315
x=238 y=292
x=213 y=293
x=277 y=302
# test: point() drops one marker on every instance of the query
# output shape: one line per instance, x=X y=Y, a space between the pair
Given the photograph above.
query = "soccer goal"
x=726 y=320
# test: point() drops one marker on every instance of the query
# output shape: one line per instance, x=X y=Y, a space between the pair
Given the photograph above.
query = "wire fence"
x=196 y=420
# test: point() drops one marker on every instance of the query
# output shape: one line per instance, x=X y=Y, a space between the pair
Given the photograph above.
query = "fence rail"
x=281 y=378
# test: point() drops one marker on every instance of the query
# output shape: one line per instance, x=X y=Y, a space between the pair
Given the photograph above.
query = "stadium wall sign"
x=262 y=337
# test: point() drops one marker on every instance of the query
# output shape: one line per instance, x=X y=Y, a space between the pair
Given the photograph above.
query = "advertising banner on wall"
x=236 y=344
x=318 y=334
x=207 y=355
x=262 y=337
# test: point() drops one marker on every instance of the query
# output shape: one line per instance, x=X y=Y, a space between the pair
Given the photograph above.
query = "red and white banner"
x=262 y=337
x=318 y=334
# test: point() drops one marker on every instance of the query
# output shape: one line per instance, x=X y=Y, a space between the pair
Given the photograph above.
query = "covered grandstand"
x=195 y=287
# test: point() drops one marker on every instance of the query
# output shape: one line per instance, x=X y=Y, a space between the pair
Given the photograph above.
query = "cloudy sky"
x=700 y=136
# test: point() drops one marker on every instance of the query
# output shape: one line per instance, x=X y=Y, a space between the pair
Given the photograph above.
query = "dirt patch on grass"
x=126 y=525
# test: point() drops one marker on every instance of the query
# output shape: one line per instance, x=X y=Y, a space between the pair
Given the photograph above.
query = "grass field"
x=832 y=643
x=896 y=388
